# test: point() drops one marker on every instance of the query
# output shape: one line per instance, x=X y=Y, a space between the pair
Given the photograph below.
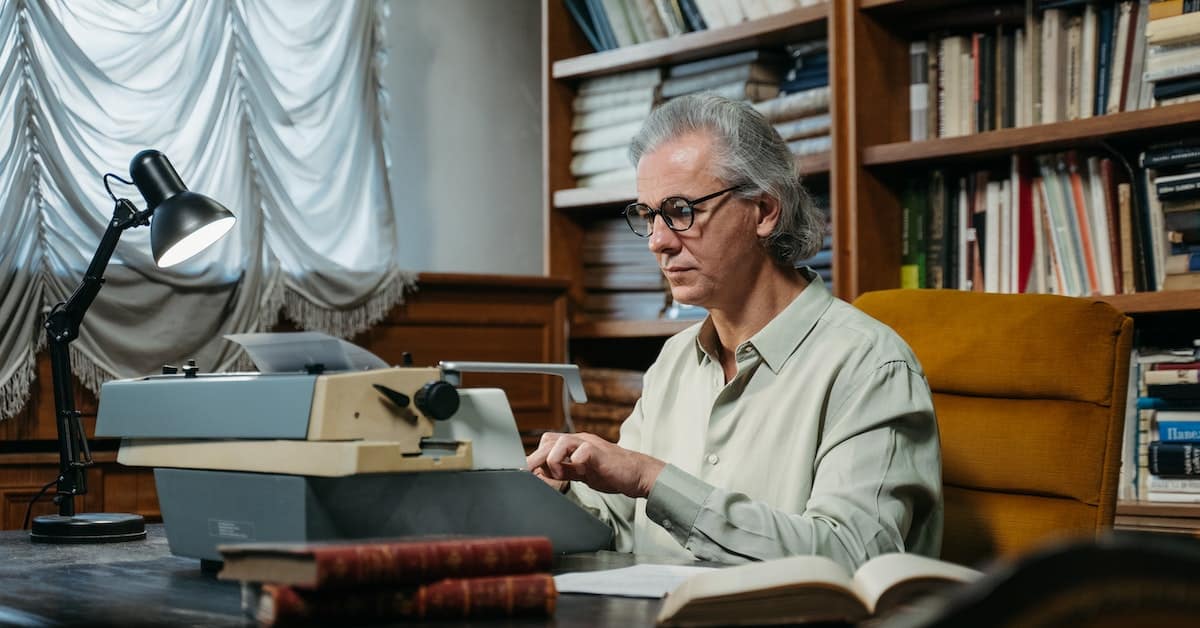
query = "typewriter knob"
x=438 y=400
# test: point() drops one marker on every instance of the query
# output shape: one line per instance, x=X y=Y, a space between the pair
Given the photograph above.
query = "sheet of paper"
x=288 y=352
x=637 y=581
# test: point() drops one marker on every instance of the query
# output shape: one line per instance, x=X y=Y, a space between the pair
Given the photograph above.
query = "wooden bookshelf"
x=1144 y=125
x=630 y=329
x=773 y=31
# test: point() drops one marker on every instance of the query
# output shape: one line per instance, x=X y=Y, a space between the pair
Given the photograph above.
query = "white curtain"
x=275 y=108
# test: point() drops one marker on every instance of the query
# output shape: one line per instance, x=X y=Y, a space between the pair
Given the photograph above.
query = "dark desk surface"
x=142 y=584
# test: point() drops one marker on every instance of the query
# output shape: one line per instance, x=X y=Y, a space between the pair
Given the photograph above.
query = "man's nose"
x=662 y=239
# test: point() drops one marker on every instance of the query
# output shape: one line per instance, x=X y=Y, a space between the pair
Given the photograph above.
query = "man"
x=787 y=422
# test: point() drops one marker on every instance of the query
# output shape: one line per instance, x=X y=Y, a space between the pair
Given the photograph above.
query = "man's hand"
x=594 y=461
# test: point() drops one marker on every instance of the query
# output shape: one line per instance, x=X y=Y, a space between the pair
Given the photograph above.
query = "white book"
x=637 y=24
x=626 y=176
x=1120 y=52
x=1170 y=65
x=811 y=146
x=1174 y=498
x=1099 y=212
x=1137 y=94
x=950 y=76
x=606 y=100
x=595 y=119
x=754 y=9
x=1074 y=66
x=733 y=11
x=800 y=128
x=966 y=114
x=795 y=105
x=1173 y=485
x=597 y=161
x=1089 y=42
x=614 y=12
x=605 y=137
x=672 y=20
x=713 y=14
x=1054 y=44
x=781 y=6
x=624 y=81
x=654 y=27
x=1177 y=29
x=991 y=239
x=1169 y=377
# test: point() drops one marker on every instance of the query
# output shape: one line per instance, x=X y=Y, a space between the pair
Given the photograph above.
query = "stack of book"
x=612 y=394
x=1173 y=184
x=1064 y=60
x=751 y=75
x=1173 y=52
x=800 y=113
x=1167 y=435
x=622 y=278
x=822 y=262
x=609 y=110
x=609 y=24
x=291 y=584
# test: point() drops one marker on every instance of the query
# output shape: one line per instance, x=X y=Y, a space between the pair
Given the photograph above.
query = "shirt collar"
x=778 y=340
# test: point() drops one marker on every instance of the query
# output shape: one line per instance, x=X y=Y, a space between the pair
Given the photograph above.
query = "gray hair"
x=747 y=150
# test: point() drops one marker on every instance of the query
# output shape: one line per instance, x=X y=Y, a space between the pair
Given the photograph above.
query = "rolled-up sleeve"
x=877 y=474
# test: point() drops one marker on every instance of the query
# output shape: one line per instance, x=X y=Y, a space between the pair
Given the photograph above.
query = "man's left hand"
x=600 y=464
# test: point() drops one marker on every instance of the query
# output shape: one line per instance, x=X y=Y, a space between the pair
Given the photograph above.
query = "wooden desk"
x=142 y=584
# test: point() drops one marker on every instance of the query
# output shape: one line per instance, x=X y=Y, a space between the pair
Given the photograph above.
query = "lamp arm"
x=62 y=327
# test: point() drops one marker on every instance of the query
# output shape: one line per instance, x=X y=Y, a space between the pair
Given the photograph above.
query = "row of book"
x=1173 y=183
x=621 y=276
x=1071 y=59
x=791 y=88
x=1161 y=454
x=343 y=583
x=609 y=24
x=1058 y=224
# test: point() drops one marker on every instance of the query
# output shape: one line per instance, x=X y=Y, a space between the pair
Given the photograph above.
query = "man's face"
x=711 y=263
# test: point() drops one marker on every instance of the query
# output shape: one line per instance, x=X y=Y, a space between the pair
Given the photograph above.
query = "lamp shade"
x=184 y=223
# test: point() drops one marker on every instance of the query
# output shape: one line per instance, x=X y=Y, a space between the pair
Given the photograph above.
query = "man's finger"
x=538 y=457
x=560 y=453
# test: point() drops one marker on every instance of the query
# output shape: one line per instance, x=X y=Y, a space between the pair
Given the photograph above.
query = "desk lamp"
x=185 y=223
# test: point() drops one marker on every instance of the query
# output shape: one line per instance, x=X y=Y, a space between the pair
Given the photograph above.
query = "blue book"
x=1158 y=403
x=1104 y=56
x=1178 y=431
x=583 y=18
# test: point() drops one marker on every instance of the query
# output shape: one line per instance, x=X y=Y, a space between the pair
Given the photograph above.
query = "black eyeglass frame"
x=661 y=212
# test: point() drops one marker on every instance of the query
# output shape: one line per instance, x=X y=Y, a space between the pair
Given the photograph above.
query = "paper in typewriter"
x=289 y=352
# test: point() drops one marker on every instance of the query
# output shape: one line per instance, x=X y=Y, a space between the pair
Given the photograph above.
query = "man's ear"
x=769 y=211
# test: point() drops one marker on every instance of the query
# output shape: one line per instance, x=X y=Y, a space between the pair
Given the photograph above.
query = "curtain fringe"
x=14 y=393
x=347 y=323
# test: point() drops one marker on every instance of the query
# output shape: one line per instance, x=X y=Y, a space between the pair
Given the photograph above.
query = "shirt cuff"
x=675 y=501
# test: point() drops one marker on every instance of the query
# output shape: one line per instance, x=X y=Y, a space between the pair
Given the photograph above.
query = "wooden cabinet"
x=864 y=173
x=448 y=317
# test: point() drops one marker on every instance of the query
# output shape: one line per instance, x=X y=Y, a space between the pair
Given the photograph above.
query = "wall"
x=465 y=83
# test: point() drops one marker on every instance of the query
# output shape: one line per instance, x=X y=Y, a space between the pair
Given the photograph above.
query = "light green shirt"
x=823 y=443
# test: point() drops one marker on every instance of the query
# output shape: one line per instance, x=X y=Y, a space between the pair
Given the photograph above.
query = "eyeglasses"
x=677 y=213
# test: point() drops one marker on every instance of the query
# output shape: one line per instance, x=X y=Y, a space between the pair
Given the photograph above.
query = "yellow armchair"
x=1030 y=393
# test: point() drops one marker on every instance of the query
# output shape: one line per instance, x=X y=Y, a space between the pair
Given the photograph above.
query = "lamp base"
x=95 y=527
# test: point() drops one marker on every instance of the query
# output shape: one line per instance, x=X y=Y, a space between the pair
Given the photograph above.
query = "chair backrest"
x=1030 y=394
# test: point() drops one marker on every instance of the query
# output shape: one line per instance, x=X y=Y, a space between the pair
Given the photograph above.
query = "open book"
x=806 y=589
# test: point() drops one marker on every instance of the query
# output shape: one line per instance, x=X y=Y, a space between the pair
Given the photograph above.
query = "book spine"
x=1178 y=431
x=453 y=598
x=1179 y=459
x=411 y=563
x=1174 y=391
x=1174 y=156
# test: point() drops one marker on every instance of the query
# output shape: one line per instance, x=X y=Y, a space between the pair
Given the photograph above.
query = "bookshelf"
x=871 y=152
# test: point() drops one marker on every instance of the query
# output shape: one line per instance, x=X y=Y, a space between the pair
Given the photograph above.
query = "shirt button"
x=713 y=459
x=666 y=524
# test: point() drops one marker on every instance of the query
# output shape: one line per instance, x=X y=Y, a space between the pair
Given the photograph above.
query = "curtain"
x=275 y=108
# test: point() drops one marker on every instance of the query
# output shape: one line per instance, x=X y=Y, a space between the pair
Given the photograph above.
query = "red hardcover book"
x=1025 y=226
x=1175 y=366
x=452 y=598
x=339 y=565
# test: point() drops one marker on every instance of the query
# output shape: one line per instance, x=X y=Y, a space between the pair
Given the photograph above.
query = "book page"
x=652 y=581
x=886 y=575
x=799 y=588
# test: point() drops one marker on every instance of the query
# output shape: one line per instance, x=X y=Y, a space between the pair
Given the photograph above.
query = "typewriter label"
x=226 y=529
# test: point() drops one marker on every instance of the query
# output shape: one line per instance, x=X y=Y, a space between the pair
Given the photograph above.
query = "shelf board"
x=1146 y=124
x=630 y=329
x=771 y=31
x=620 y=195
x=1159 y=509
x=1155 y=302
